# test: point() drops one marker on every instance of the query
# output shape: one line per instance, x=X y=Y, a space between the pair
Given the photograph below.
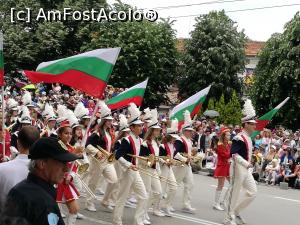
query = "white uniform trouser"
x=240 y=177
x=131 y=180
x=184 y=174
x=112 y=189
x=168 y=189
x=95 y=171
x=153 y=187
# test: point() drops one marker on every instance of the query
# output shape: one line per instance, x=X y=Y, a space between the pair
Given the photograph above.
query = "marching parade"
x=121 y=123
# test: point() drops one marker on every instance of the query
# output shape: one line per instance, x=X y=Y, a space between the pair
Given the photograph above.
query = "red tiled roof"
x=252 y=47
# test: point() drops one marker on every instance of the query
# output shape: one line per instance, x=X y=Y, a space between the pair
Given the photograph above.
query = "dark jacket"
x=34 y=200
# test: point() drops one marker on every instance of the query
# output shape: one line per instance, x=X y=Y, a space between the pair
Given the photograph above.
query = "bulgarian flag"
x=193 y=104
x=88 y=72
x=1 y=61
x=134 y=94
x=263 y=121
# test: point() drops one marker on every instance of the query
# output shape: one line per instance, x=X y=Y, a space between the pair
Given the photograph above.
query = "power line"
x=241 y=10
x=195 y=4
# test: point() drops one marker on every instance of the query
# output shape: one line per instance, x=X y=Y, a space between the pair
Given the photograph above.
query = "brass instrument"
x=109 y=156
x=85 y=186
x=151 y=160
x=83 y=164
x=172 y=161
x=11 y=126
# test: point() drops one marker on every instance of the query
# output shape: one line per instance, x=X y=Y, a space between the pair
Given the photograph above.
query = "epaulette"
x=238 y=138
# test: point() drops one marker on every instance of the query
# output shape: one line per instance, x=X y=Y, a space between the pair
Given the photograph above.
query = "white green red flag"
x=88 y=72
x=134 y=94
x=193 y=104
x=263 y=121
x=1 y=61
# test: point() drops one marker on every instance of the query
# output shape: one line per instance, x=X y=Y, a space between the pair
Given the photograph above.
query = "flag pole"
x=2 y=96
x=3 y=122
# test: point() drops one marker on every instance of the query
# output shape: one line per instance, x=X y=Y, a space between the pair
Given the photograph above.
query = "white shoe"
x=132 y=200
x=80 y=216
x=146 y=222
x=172 y=209
x=107 y=206
x=99 y=191
x=147 y=217
x=158 y=213
x=167 y=212
x=189 y=210
x=62 y=214
x=128 y=204
x=218 y=207
x=239 y=220
x=229 y=220
x=91 y=207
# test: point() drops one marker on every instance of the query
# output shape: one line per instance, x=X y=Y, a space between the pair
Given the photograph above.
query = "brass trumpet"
x=172 y=161
x=109 y=156
x=151 y=160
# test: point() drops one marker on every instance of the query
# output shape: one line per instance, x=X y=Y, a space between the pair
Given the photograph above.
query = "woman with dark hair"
x=104 y=138
x=166 y=149
x=222 y=169
x=66 y=190
x=152 y=183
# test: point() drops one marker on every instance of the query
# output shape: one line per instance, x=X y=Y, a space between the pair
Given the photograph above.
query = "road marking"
x=96 y=221
x=195 y=220
x=288 y=199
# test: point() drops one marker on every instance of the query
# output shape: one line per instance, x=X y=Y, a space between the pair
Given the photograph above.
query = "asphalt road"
x=272 y=206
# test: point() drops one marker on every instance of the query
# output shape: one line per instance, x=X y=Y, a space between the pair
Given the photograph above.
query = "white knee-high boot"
x=71 y=219
x=216 y=204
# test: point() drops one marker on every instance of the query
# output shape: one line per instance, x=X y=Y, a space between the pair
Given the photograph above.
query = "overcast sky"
x=258 y=24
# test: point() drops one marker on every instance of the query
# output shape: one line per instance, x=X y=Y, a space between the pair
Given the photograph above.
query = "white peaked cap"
x=12 y=104
x=123 y=123
x=173 y=130
x=188 y=123
x=73 y=120
x=81 y=112
x=147 y=115
x=135 y=113
x=25 y=115
x=62 y=113
x=248 y=112
x=154 y=119
x=105 y=111
x=48 y=112
x=26 y=99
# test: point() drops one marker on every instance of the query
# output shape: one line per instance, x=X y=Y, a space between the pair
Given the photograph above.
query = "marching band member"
x=7 y=156
x=83 y=115
x=183 y=151
x=222 y=169
x=104 y=139
x=122 y=133
x=240 y=173
x=12 y=115
x=131 y=179
x=167 y=149
x=152 y=183
x=66 y=190
x=50 y=121
x=146 y=119
x=25 y=120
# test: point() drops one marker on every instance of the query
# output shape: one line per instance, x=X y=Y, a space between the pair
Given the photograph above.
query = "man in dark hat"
x=34 y=198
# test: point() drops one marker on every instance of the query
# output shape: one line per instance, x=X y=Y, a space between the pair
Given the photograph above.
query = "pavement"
x=272 y=206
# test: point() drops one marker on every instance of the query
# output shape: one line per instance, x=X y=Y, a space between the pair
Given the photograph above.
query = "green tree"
x=220 y=106
x=211 y=104
x=277 y=76
x=233 y=111
x=147 y=50
x=215 y=54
